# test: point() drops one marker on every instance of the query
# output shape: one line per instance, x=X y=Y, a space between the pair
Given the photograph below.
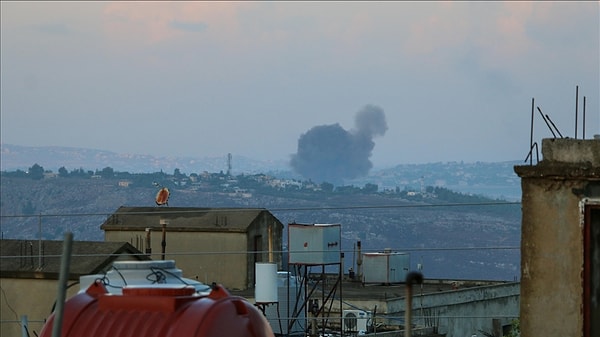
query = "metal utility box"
x=314 y=244
x=290 y=297
x=385 y=267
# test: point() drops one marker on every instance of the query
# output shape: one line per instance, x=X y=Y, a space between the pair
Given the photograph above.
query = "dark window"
x=591 y=271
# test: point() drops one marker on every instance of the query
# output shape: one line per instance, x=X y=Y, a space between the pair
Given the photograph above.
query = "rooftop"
x=42 y=259
x=183 y=218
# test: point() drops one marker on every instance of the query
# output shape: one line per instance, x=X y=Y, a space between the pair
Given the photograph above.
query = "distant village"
x=244 y=185
x=560 y=211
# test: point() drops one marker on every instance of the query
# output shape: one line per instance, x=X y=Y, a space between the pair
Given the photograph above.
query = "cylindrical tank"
x=164 y=310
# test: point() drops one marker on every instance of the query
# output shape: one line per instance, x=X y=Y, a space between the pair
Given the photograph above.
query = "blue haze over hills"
x=495 y=180
x=432 y=235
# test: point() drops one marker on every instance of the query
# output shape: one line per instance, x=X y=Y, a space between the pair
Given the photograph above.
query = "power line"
x=230 y=210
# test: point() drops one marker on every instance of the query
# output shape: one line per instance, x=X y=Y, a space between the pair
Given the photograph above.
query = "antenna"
x=545 y=120
x=229 y=164
x=576 y=113
x=583 y=117
x=554 y=126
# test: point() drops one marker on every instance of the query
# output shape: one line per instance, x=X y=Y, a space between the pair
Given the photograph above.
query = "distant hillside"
x=452 y=234
x=494 y=180
x=53 y=157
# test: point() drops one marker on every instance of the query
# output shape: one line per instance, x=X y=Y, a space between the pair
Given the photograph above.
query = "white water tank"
x=131 y=273
x=314 y=244
x=385 y=267
x=265 y=289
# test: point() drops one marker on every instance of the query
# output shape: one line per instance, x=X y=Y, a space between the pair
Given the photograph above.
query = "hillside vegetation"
x=453 y=235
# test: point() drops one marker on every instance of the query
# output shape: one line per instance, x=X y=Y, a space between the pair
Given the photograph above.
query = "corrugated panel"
x=162 y=312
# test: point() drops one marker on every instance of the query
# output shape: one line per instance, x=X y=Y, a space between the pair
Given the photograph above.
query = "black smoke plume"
x=328 y=153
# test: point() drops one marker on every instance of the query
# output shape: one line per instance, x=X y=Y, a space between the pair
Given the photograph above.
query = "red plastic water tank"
x=165 y=311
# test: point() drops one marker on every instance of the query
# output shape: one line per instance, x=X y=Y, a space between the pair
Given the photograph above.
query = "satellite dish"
x=162 y=197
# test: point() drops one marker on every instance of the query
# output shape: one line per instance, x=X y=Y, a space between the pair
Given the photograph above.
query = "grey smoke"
x=328 y=153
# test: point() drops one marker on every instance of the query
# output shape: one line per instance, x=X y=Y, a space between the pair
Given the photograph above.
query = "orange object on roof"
x=164 y=310
x=162 y=197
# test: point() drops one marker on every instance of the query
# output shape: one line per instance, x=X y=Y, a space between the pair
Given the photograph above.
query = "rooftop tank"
x=159 y=309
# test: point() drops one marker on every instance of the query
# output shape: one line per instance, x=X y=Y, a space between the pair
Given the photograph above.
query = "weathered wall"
x=552 y=235
x=463 y=312
x=32 y=297
x=208 y=257
x=551 y=259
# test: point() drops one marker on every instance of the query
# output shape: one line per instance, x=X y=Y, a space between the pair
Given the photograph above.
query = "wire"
x=161 y=270
x=119 y=272
x=8 y=304
x=230 y=210
x=160 y=276
x=237 y=252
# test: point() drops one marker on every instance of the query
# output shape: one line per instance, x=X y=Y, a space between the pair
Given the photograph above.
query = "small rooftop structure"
x=211 y=244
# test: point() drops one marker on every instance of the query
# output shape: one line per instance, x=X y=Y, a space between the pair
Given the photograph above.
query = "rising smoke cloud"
x=328 y=153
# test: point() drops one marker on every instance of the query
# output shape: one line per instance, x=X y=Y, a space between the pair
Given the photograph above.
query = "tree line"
x=256 y=182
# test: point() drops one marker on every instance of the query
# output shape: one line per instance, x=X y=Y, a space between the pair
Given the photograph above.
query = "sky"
x=454 y=80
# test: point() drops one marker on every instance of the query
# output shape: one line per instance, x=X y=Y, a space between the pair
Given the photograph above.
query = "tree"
x=370 y=188
x=62 y=172
x=36 y=172
x=107 y=172
x=327 y=187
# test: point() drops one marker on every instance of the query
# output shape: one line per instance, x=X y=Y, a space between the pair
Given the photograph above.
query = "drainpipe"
x=270 y=243
x=359 y=262
x=148 y=242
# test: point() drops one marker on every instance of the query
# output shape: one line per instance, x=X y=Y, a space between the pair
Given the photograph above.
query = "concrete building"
x=560 y=242
x=29 y=274
x=209 y=244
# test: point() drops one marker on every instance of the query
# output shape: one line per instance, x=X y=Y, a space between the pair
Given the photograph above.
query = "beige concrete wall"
x=551 y=259
x=210 y=257
x=31 y=297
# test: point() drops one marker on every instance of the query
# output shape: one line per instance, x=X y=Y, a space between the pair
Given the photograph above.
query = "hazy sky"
x=454 y=79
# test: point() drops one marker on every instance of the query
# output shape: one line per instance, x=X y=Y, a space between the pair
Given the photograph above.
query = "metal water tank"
x=160 y=310
x=314 y=244
x=385 y=267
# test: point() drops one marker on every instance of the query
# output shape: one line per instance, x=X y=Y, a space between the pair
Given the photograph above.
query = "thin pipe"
x=583 y=117
x=554 y=126
x=576 y=108
x=545 y=120
x=531 y=132
x=40 y=243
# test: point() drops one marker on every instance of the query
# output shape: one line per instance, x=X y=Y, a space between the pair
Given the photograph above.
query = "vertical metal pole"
x=148 y=242
x=40 y=243
x=341 y=300
x=163 y=244
x=531 y=132
x=322 y=308
x=576 y=106
x=583 y=118
x=270 y=229
x=65 y=263
x=24 y=331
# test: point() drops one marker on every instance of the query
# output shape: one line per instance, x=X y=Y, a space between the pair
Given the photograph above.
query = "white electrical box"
x=385 y=267
x=315 y=244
